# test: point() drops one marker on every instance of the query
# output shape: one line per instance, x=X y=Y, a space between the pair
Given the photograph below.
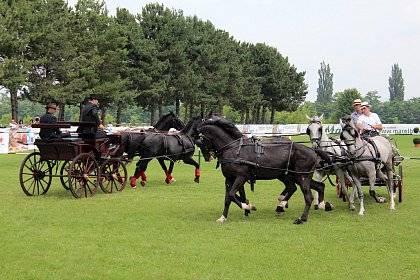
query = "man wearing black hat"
x=89 y=113
x=49 y=118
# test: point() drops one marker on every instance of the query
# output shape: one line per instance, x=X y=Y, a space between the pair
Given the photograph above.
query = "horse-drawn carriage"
x=81 y=164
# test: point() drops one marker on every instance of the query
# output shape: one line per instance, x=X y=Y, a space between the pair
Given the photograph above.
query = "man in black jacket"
x=49 y=118
x=89 y=113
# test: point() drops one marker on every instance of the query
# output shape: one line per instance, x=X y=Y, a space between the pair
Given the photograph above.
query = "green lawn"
x=169 y=232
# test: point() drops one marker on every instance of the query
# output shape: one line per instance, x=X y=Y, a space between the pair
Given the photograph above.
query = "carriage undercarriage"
x=397 y=180
x=81 y=164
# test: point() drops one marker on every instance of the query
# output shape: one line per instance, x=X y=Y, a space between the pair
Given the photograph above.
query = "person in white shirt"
x=369 y=123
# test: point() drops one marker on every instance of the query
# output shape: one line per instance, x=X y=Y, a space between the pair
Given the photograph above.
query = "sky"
x=359 y=39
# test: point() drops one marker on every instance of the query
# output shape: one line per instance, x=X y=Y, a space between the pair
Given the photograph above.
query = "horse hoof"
x=143 y=183
x=381 y=199
x=298 y=222
x=361 y=214
x=287 y=205
x=279 y=210
x=329 y=206
x=247 y=213
x=221 y=220
x=316 y=207
x=280 y=198
x=197 y=180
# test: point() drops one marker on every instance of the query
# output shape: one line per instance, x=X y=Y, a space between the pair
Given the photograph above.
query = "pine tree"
x=396 y=84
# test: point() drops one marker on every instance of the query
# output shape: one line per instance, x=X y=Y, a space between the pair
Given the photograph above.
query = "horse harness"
x=253 y=166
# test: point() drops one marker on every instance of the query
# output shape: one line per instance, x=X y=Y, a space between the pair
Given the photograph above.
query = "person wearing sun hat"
x=49 y=118
x=357 y=112
x=369 y=123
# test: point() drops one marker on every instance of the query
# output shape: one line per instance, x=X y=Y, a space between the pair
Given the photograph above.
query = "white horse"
x=321 y=141
x=367 y=162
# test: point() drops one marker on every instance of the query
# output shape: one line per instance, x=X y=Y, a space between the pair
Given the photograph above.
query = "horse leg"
x=341 y=174
x=304 y=183
x=372 y=181
x=140 y=172
x=231 y=190
x=318 y=177
x=169 y=179
x=189 y=160
x=228 y=186
x=242 y=198
x=358 y=185
x=388 y=180
x=319 y=187
x=290 y=188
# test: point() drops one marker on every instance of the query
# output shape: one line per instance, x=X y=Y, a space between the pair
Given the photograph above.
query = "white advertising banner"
x=295 y=129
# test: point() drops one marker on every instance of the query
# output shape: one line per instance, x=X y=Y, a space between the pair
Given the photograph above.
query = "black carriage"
x=81 y=164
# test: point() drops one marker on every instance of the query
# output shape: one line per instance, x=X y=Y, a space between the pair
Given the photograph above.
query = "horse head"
x=348 y=133
x=315 y=130
x=168 y=121
x=191 y=129
x=215 y=131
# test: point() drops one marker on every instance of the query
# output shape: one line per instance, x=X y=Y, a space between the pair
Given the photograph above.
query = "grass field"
x=169 y=232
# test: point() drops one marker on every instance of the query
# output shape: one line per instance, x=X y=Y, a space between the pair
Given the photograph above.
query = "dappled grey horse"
x=321 y=141
x=369 y=161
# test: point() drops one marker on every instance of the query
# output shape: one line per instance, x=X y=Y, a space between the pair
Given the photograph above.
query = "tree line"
x=50 y=51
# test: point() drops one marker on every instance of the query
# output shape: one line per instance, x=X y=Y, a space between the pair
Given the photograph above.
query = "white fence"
x=20 y=140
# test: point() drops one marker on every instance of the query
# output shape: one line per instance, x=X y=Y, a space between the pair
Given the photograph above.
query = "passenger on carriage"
x=49 y=118
x=89 y=113
x=357 y=111
x=369 y=123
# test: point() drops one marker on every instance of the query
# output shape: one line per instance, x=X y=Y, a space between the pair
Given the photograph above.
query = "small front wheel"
x=35 y=175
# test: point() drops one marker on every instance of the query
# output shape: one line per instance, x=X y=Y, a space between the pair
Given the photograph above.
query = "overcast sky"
x=359 y=39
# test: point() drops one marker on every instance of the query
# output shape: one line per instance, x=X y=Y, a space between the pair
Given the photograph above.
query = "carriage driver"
x=89 y=113
x=49 y=118
x=368 y=123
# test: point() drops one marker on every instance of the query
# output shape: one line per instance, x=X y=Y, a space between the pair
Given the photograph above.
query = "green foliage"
x=344 y=103
x=325 y=84
x=396 y=84
x=6 y=119
x=416 y=140
x=416 y=130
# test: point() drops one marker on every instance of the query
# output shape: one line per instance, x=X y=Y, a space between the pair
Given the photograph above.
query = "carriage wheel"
x=83 y=176
x=35 y=175
x=400 y=183
x=113 y=176
x=64 y=171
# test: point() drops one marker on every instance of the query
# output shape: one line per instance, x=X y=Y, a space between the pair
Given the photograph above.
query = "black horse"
x=133 y=138
x=248 y=159
x=168 y=146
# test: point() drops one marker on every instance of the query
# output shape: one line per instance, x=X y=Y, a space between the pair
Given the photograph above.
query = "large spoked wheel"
x=35 y=175
x=64 y=171
x=83 y=176
x=113 y=176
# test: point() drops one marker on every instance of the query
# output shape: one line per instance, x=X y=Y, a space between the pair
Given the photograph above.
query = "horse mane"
x=189 y=124
x=224 y=124
x=163 y=119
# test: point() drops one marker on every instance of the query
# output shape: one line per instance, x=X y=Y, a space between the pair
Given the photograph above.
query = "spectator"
x=13 y=124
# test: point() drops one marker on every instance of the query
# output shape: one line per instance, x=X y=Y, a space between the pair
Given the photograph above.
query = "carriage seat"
x=69 y=139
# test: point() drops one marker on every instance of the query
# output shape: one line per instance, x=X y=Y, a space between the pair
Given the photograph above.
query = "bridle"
x=315 y=140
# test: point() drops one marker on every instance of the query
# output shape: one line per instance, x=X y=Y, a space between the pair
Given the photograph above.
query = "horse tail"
x=324 y=156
